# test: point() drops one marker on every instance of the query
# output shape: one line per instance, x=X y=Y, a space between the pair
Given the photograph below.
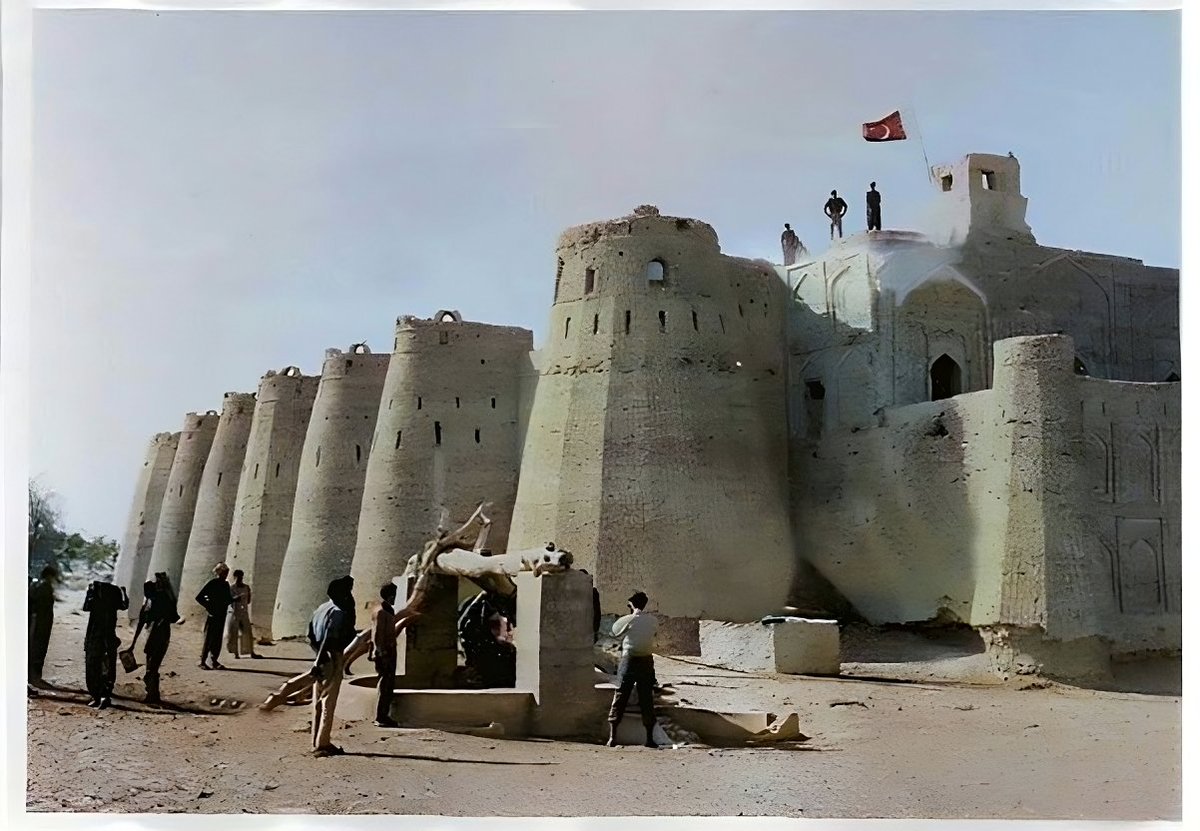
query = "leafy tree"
x=49 y=543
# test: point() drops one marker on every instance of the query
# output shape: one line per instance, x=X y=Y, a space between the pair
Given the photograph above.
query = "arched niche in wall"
x=944 y=315
x=656 y=272
x=945 y=378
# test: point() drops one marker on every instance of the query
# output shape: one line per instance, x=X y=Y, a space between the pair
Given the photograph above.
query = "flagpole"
x=921 y=140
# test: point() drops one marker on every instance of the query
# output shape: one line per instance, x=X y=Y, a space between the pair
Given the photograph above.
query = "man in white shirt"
x=636 y=667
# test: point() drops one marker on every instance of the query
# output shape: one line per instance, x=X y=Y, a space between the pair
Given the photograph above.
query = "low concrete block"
x=796 y=646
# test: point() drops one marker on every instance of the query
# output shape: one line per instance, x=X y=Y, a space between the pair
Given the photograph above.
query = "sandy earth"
x=891 y=746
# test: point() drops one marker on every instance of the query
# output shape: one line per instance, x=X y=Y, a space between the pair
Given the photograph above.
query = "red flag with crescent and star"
x=886 y=129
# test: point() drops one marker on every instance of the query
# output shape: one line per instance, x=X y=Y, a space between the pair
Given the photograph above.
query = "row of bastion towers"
x=834 y=436
x=647 y=437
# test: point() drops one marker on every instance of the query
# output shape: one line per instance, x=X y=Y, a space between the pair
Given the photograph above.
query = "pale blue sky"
x=216 y=195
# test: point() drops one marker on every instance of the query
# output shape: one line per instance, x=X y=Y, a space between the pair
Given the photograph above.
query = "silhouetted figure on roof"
x=835 y=209
x=792 y=246
x=874 y=222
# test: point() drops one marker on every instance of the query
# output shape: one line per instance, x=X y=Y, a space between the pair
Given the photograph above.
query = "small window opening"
x=627 y=321
x=945 y=378
x=219 y=475
x=437 y=432
x=318 y=464
x=181 y=490
x=595 y=324
x=398 y=433
x=357 y=453
x=276 y=470
x=721 y=320
x=349 y=363
x=1080 y=368
x=418 y=402
x=662 y=321
x=656 y=271
x=256 y=471
x=947 y=182
x=443 y=337
x=493 y=403
x=457 y=402
x=816 y=390
x=390 y=400
x=567 y=328
x=589 y=281
x=695 y=322
x=988 y=178
x=477 y=435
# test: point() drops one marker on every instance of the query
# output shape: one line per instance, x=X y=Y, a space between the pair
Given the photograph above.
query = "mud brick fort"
x=958 y=428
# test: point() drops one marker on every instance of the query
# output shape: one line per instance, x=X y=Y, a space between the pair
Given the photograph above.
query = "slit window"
x=595 y=324
x=437 y=433
x=695 y=322
x=256 y=471
x=398 y=434
x=627 y=321
x=477 y=435
x=276 y=470
x=740 y=312
x=457 y=402
x=357 y=453
x=493 y=403
x=589 y=281
x=418 y=402
x=318 y=464
x=567 y=328
x=219 y=475
x=656 y=272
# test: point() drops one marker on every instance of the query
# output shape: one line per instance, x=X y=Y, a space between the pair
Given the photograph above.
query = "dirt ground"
x=892 y=739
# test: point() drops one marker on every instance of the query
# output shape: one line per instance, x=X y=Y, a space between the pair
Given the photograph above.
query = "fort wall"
x=262 y=519
x=329 y=485
x=179 y=500
x=1006 y=506
x=138 y=545
x=446 y=439
x=217 y=498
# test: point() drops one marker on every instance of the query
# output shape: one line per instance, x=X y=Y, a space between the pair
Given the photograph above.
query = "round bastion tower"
x=446 y=439
x=214 y=506
x=656 y=450
x=329 y=485
x=262 y=520
x=130 y=570
x=179 y=501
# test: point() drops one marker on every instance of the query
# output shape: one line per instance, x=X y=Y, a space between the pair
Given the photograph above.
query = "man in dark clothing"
x=158 y=613
x=482 y=627
x=216 y=597
x=873 y=209
x=41 y=620
x=835 y=209
x=100 y=641
x=383 y=653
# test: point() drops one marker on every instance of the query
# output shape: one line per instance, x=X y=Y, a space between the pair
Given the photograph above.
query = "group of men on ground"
x=158 y=612
x=835 y=209
x=331 y=633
